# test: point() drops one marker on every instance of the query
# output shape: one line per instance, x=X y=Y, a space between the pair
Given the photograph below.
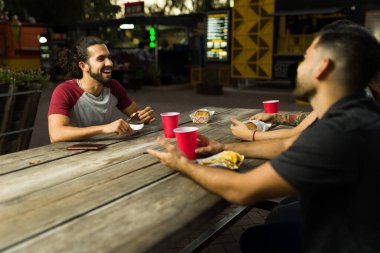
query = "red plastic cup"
x=271 y=106
x=187 y=140
x=169 y=122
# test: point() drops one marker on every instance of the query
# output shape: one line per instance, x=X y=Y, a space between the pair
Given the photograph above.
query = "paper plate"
x=136 y=127
x=203 y=119
x=261 y=126
x=228 y=159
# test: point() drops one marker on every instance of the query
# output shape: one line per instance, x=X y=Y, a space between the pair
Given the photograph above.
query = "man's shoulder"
x=68 y=90
x=113 y=84
x=116 y=88
x=354 y=115
x=67 y=85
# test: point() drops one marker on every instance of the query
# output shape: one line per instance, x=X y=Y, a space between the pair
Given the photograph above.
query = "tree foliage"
x=69 y=12
x=100 y=9
x=58 y=12
x=171 y=7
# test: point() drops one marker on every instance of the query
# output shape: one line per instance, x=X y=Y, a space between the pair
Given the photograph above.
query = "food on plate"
x=257 y=125
x=202 y=114
x=251 y=125
x=229 y=159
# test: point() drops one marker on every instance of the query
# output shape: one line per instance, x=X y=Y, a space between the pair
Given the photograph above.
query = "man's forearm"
x=219 y=181
x=289 y=119
x=265 y=149
x=275 y=134
x=70 y=133
x=240 y=188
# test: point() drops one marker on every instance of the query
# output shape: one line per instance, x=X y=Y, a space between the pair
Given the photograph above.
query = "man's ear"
x=82 y=65
x=324 y=68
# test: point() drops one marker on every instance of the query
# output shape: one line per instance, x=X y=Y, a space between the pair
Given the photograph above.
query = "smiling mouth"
x=107 y=71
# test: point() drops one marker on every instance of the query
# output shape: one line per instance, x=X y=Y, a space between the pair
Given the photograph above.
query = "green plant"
x=25 y=79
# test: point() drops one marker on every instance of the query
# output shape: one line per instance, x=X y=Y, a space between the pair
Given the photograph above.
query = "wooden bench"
x=216 y=229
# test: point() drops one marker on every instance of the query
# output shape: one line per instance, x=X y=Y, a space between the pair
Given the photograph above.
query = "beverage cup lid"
x=185 y=129
x=169 y=113
x=271 y=101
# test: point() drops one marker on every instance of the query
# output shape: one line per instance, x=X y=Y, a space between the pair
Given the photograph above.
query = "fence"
x=18 y=110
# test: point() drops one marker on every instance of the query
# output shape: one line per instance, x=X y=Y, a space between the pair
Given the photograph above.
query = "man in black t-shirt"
x=332 y=164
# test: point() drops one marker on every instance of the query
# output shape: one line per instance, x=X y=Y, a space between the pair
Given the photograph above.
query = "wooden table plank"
x=46 y=209
x=127 y=225
x=117 y=199
x=121 y=225
x=70 y=200
x=29 y=158
x=45 y=175
x=71 y=167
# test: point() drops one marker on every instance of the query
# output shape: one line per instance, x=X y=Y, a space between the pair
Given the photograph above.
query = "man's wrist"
x=253 y=135
x=225 y=147
x=275 y=118
x=183 y=165
x=101 y=129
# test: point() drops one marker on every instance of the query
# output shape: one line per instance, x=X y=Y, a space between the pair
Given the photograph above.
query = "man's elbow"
x=54 y=137
x=289 y=141
x=241 y=198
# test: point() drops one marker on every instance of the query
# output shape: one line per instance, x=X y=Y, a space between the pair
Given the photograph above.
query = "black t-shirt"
x=335 y=167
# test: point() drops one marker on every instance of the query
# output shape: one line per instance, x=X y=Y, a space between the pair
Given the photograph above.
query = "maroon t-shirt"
x=85 y=109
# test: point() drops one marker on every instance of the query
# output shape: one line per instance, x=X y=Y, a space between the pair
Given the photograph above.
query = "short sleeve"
x=63 y=99
x=123 y=100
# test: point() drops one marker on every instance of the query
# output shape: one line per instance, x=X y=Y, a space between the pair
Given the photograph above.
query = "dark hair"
x=374 y=87
x=355 y=49
x=69 y=59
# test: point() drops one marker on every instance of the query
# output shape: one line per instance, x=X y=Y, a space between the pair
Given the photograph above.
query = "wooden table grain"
x=119 y=199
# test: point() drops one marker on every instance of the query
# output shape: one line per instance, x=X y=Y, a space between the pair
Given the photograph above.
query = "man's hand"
x=146 y=114
x=262 y=116
x=173 y=158
x=206 y=145
x=120 y=126
x=240 y=130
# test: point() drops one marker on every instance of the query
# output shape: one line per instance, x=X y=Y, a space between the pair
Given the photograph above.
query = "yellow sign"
x=252 y=39
x=217 y=44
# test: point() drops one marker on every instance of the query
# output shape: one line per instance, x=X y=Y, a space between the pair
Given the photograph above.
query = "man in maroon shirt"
x=82 y=107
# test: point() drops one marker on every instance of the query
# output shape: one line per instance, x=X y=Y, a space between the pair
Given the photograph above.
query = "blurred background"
x=157 y=42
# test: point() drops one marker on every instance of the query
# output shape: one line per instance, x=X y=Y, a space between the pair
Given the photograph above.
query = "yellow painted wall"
x=252 y=39
x=34 y=64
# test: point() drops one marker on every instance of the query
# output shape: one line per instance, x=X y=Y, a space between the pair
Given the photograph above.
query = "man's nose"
x=109 y=62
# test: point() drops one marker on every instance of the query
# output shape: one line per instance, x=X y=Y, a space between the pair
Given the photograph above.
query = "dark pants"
x=281 y=233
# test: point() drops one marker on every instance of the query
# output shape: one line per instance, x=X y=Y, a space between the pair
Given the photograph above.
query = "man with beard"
x=83 y=107
x=331 y=165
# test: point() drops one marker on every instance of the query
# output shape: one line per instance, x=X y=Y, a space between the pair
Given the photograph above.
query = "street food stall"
x=149 y=50
x=19 y=44
x=270 y=37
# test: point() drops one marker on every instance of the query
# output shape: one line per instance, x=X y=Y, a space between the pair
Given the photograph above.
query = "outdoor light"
x=152 y=37
x=127 y=26
x=42 y=39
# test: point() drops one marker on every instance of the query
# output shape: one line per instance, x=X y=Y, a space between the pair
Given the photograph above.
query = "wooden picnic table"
x=118 y=199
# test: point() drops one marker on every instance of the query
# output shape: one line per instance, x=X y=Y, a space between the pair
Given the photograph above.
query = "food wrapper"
x=202 y=119
x=261 y=126
x=228 y=159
